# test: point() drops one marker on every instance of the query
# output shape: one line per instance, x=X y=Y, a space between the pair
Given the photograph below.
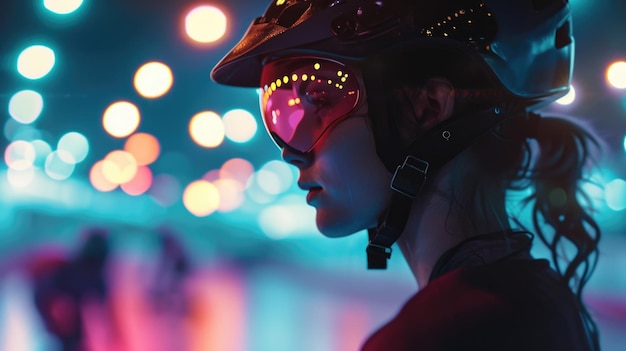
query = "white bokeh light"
x=153 y=79
x=239 y=125
x=36 y=61
x=25 y=106
x=569 y=98
x=205 y=24
x=62 y=7
x=207 y=129
x=121 y=119
x=616 y=74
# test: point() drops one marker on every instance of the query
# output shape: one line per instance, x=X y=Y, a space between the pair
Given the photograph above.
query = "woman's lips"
x=313 y=194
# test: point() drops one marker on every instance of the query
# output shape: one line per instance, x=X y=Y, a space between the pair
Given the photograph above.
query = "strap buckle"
x=377 y=256
x=410 y=177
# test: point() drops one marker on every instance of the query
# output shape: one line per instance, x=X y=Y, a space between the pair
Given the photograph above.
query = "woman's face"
x=346 y=182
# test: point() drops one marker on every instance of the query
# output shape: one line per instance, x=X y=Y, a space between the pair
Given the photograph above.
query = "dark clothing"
x=487 y=293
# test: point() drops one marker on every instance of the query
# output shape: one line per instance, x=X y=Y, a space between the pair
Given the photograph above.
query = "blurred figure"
x=62 y=287
x=172 y=268
x=170 y=300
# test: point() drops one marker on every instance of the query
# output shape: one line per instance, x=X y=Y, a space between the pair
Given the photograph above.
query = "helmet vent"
x=291 y=14
x=540 y=5
x=563 y=36
x=284 y=13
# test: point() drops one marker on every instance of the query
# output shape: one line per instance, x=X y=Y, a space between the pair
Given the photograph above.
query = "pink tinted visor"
x=301 y=98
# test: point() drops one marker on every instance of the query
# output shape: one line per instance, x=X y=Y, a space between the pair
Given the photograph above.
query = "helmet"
x=520 y=49
x=525 y=46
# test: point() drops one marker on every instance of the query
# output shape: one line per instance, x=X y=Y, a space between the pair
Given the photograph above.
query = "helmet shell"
x=527 y=45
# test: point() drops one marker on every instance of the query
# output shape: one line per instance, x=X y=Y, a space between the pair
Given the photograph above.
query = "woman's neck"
x=434 y=227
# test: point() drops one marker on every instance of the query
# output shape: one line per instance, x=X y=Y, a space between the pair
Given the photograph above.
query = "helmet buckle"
x=410 y=176
x=377 y=256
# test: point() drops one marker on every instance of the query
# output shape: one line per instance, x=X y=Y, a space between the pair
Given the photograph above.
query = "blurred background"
x=143 y=207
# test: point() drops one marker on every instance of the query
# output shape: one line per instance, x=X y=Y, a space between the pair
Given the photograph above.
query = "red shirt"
x=510 y=304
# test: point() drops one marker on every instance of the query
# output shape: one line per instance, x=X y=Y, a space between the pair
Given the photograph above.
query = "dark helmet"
x=525 y=46
x=518 y=52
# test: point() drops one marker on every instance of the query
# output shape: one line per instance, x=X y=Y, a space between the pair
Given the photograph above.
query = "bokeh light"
x=205 y=24
x=19 y=155
x=239 y=125
x=230 y=194
x=615 y=192
x=255 y=193
x=144 y=147
x=201 y=198
x=24 y=132
x=207 y=129
x=35 y=62
x=42 y=149
x=98 y=180
x=62 y=7
x=153 y=79
x=25 y=106
x=616 y=74
x=277 y=221
x=569 y=98
x=21 y=178
x=56 y=165
x=14 y=130
x=212 y=175
x=119 y=167
x=75 y=144
x=121 y=119
x=238 y=169
x=140 y=183
x=289 y=218
x=275 y=177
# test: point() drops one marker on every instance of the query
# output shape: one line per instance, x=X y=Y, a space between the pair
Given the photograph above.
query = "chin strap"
x=428 y=153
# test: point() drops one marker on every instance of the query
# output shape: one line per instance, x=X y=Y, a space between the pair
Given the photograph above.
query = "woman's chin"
x=334 y=229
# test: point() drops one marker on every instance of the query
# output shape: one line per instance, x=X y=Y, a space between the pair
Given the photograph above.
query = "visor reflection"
x=302 y=97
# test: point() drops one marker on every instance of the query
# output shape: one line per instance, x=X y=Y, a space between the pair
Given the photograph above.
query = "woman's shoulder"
x=522 y=287
x=513 y=305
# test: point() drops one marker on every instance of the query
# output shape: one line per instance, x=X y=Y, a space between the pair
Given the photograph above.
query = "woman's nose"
x=297 y=158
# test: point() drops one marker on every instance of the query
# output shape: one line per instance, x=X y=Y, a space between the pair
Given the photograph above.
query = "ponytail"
x=557 y=174
x=550 y=155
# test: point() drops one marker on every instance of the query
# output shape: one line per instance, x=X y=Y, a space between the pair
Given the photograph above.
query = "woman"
x=414 y=119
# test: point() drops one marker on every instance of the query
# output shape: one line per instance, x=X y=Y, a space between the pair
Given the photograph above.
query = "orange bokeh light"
x=144 y=147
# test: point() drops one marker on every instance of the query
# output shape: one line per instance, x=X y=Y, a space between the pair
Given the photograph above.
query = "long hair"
x=550 y=157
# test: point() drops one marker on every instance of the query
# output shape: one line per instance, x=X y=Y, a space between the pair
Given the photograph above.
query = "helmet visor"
x=301 y=98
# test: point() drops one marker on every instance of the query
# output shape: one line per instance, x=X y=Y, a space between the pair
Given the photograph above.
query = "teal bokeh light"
x=615 y=193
